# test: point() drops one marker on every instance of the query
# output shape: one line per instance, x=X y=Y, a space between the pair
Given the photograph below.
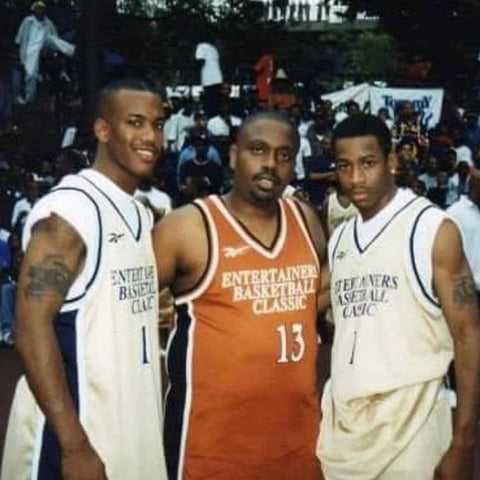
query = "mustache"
x=266 y=176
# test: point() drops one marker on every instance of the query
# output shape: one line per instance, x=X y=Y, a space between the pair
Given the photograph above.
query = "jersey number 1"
x=144 y=346
x=292 y=343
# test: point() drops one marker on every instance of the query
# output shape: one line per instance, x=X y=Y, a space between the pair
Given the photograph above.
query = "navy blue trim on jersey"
x=139 y=232
x=176 y=398
x=414 y=263
x=355 y=234
x=66 y=332
x=100 y=242
x=209 y=254
x=243 y=227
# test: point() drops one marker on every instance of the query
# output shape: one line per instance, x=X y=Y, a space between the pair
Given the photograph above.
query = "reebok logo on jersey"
x=232 y=252
x=115 y=237
x=340 y=255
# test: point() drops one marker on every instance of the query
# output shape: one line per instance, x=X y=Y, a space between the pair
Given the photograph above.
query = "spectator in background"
x=211 y=77
x=200 y=169
x=472 y=130
x=464 y=153
x=222 y=129
x=384 y=115
x=264 y=68
x=177 y=124
x=10 y=256
x=429 y=177
x=406 y=124
x=466 y=212
x=153 y=198
x=320 y=171
x=438 y=193
x=37 y=32
x=200 y=122
x=407 y=152
x=24 y=205
x=282 y=96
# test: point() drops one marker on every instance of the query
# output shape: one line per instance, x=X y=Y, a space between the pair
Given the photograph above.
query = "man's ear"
x=101 y=130
x=232 y=156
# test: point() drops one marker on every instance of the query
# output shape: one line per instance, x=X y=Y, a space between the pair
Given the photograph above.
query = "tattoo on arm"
x=464 y=292
x=47 y=276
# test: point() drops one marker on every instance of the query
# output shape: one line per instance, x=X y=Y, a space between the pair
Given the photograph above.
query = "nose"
x=152 y=134
x=357 y=175
x=269 y=160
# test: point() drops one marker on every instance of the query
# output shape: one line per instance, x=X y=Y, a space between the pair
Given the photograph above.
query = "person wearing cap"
x=36 y=33
x=178 y=123
x=282 y=96
x=199 y=171
x=211 y=77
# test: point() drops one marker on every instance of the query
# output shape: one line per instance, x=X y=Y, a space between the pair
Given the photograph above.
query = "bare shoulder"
x=447 y=246
x=52 y=260
x=180 y=224
x=56 y=234
x=181 y=246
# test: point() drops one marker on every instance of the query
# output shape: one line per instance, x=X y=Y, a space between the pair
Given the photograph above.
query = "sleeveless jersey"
x=109 y=344
x=338 y=213
x=392 y=346
x=242 y=403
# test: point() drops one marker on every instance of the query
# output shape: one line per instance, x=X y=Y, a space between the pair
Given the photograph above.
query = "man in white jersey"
x=404 y=304
x=87 y=311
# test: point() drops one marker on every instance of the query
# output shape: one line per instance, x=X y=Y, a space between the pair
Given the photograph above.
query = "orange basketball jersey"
x=242 y=402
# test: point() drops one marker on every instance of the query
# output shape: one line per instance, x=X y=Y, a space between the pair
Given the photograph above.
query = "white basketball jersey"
x=337 y=213
x=391 y=349
x=109 y=341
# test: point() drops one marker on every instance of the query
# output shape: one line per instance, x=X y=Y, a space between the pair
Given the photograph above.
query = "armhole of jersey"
x=212 y=259
x=303 y=224
x=336 y=238
x=69 y=302
x=423 y=293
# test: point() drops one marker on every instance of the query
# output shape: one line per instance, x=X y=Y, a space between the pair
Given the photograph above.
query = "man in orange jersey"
x=245 y=272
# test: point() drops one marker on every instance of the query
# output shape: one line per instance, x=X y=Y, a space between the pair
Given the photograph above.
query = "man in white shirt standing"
x=404 y=305
x=36 y=32
x=210 y=76
x=466 y=212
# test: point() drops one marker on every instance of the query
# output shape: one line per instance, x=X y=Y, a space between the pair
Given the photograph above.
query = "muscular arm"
x=181 y=249
x=52 y=261
x=455 y=288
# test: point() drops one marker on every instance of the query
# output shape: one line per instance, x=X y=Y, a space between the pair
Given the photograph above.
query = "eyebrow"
x=363 y=157
x=139 y=116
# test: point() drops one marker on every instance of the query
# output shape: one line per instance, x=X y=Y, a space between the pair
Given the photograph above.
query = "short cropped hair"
x=361 y=125
x=271 y=115
x=108 y=92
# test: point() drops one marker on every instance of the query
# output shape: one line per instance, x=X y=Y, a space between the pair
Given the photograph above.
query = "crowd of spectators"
x=435 y=163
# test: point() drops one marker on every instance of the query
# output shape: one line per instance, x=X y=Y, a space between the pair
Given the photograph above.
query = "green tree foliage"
x=445 y=31
x=371 y=56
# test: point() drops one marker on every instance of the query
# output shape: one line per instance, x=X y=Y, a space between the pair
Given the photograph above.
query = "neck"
x=368 y=214
x=251 y=210
x=116 y=174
